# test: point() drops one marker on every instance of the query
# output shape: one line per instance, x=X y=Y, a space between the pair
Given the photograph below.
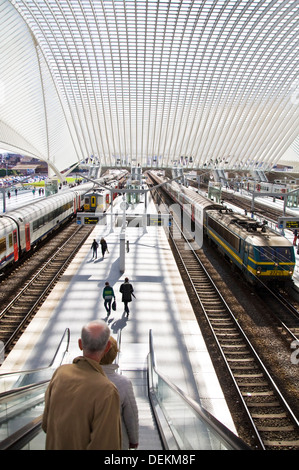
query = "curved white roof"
x=152 y=82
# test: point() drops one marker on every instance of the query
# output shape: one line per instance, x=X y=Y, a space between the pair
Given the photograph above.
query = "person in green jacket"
x=108 y=295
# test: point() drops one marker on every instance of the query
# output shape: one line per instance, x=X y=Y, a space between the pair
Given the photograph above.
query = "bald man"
x=82 y=406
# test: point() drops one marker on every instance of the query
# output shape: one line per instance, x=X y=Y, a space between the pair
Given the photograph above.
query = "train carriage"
x=258 y=252
x=97 y=201
x=265 y=187
x=8 y=241
x=23 y=228
x=36 y=221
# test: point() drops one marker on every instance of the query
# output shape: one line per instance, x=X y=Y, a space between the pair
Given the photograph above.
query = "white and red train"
x=23 y=228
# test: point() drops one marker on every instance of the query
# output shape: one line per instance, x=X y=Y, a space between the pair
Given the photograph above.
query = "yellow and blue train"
x=258 y=252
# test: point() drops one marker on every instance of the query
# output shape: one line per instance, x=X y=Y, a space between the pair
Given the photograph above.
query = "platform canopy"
x=198 y=83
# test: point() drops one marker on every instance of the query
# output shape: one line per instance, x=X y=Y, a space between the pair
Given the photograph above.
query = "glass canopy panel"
x=214 y=81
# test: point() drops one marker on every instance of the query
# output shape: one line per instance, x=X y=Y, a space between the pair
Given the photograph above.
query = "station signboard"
x=87 y=219
x=158 y=220
x=91 y=220
x=149 y=220
x=290 y=223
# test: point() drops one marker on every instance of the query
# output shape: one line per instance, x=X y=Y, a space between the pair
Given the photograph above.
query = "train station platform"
x=23 y=197
x=161 y=305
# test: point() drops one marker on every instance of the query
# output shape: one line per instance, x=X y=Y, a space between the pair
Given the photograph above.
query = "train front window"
x=278 y=254
x=266 y=253
x=284 y=253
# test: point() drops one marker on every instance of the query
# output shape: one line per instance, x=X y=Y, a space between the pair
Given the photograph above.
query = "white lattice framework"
x=150 y=82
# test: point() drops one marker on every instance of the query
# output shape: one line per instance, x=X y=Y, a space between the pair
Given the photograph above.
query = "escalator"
x=182 y=423
x=22 y=402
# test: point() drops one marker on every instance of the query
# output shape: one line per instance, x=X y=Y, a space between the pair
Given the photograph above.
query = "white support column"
x=122 y=251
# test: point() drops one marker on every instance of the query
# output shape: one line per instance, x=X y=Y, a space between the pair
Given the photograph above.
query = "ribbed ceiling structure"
x=150 y=82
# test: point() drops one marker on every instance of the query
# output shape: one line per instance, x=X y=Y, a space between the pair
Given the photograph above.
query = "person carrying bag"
x=108 y=295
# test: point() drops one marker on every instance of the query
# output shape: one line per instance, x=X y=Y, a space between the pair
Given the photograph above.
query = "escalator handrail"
x=66 y=333
x=24 y=435
x=42 y=369
x=10 y=395
x=225 y=434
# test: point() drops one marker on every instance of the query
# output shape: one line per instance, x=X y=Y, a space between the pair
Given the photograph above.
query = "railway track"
x=284 y=313
x=273 y=422
x=261 y=407
x=35 y=279
x=268 y=212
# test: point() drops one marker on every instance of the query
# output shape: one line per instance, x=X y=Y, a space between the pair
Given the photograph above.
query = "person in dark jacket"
x=104 y=246
x=94 y=248
x=127 y=292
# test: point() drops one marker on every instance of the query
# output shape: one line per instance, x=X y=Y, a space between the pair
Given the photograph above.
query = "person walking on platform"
x=129 y=410
x=295 y=237
x=94 y=247
x=104 y=246
x=108 y=295
x=82 y=406
x=127 y=292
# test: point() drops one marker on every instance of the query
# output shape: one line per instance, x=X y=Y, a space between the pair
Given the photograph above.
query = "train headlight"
x=258 y=270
